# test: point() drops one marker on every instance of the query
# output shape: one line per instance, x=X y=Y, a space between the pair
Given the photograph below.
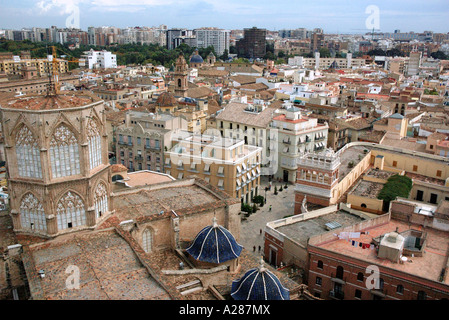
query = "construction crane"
x=54 y=86
x=372 y=31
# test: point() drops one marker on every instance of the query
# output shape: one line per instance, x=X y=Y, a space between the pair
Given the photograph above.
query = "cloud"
x=62 y=6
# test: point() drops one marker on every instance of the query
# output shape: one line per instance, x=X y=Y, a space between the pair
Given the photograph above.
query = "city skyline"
x=342 y=17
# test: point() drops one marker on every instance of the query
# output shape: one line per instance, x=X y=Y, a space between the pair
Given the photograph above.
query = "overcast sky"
x=342 y=16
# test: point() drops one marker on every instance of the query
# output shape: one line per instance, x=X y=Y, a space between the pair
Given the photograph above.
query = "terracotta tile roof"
x=43 y=102
x=109 y=268
x=234 y=112
x=166 y=99
x=200 y=92
x=254 y=86
x=244 y=79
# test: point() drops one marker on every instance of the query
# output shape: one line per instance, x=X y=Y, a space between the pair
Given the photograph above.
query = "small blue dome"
x=259 y=284
x=214 y=244
x=196 y=58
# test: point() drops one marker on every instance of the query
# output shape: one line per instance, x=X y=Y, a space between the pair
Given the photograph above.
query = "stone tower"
x=180 y=76
x=57 y=162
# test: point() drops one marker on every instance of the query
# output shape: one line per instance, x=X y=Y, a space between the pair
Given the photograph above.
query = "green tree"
x=394 y=53
x=225 y=55
x=439 y=55
x=396 y=186
x=376 y=52
x=325 y=53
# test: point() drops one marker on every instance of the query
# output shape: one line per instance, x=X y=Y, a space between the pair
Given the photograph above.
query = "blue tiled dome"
x=196 y=58
x=259 y=284
x=214 y=244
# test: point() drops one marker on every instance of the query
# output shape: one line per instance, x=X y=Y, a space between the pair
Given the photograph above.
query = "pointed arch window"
x=147 y=240
x=28 y=154
x=64 y=153
x=101 y=200
x=71 y=211
x=32 y=215
x=94 y=143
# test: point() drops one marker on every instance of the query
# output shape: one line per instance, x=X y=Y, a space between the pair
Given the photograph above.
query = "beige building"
x=15 y=67
x=143 y=138
x=193 y=110
x=395 y=126
x=227 y=164
x=36 y=85
x=251 y=123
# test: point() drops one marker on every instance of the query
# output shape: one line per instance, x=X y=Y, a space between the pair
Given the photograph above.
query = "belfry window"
x=28 y=154
x=64 y=153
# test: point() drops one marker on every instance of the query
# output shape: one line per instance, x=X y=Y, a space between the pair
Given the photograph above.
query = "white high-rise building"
x=98 y=60
x=218 y=38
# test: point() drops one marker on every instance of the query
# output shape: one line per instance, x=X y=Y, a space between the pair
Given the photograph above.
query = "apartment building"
x=251 y=123
x=348 y=255
x=142 y=139
x=41 y=66
x=217 y=38
x=228 y=164
x=325 y=63
x=98 y=60
x=253 y=43
x=297 y=134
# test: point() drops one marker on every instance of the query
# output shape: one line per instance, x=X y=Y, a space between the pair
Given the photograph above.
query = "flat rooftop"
x=422 y=178
x=145 y=177
x=428 y=266
x=367 y=189
x=301 y=231
x=109 y=269
x=379 y=174
x=350 y=154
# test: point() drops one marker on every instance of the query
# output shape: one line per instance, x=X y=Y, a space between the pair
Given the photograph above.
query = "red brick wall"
x=274 y=242
x=310 y=199
x=352 y=268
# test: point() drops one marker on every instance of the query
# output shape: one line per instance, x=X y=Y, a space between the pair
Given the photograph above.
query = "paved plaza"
x=282 y=205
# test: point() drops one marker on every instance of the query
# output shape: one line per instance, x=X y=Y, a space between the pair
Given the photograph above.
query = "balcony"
x=337 y=295
x=340 y=280
x=379 y=293
x=147 y=147
x=138 y=158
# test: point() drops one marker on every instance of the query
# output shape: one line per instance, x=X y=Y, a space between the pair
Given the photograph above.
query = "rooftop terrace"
x=302 y=230
x=428 y=266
